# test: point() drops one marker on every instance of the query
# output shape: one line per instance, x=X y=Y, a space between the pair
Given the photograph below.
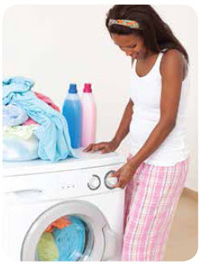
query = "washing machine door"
x=69 y=231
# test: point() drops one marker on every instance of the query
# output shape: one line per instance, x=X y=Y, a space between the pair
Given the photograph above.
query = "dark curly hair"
x=156 y=33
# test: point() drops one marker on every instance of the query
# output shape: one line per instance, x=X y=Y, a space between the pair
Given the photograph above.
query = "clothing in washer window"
x=59 y=223
x=63 y=243
x=70 y=240
x=47 y=249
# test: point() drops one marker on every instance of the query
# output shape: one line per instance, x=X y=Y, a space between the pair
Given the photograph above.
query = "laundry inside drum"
x=69 y=238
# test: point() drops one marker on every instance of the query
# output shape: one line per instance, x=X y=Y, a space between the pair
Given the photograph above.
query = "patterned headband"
x=124 y=22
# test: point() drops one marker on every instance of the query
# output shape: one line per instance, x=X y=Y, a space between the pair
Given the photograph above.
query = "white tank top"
x=146 y=94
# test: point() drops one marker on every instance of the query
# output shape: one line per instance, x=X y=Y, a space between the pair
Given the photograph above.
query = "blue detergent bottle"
x=72 y=113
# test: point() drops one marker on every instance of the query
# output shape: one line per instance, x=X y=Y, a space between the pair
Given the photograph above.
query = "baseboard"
x=190 y=193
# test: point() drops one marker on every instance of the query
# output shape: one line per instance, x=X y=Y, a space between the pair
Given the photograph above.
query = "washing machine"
x=63 y=211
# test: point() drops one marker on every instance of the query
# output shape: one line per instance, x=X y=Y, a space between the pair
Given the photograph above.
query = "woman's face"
x=132 y=45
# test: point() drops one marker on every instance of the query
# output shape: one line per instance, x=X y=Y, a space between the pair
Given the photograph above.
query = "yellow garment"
x=46 y=248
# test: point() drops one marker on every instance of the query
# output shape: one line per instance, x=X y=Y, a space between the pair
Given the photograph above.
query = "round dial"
x=94 y=182
x=110 y=181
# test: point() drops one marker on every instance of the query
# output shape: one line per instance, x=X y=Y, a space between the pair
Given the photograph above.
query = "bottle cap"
x=87 y=88
x=72 y=88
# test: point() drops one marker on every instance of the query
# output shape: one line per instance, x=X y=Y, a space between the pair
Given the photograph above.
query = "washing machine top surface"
x=84 y=160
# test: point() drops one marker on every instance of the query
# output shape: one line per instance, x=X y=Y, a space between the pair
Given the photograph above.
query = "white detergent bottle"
x=89 y=115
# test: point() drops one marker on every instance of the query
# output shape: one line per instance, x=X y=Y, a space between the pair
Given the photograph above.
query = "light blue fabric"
x=70 y=240
x=13 y=115
x=53 y=135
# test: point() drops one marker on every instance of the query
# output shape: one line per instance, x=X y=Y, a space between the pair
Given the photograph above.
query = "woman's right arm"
x=123 y=129
x=121 y=133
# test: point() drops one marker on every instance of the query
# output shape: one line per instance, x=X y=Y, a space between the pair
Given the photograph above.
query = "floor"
x=183 y=239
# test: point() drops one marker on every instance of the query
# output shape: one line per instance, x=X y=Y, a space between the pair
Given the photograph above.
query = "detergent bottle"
x=72 y=113
x=89 y=113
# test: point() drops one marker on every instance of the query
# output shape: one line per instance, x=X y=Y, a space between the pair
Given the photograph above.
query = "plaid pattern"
x=150 y=204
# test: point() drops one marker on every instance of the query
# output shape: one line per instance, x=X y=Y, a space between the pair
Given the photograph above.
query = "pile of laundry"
x=63 y=240
x=33 y=126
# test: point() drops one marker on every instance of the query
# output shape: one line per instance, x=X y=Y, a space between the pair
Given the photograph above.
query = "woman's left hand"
x=124 y=174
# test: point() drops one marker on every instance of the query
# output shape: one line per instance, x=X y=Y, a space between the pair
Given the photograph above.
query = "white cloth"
x=145 y=93
x=20 y=143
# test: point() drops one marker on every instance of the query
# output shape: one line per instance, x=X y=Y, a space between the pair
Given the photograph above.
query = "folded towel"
x=53 y=135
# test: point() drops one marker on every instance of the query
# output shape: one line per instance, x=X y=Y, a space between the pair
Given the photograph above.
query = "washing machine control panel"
x=62 y=184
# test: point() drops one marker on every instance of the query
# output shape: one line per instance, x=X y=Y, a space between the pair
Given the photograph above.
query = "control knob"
x=94 y=182
x=110 y=181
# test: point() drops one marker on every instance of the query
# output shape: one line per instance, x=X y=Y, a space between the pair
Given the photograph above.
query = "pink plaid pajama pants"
x=150 y=204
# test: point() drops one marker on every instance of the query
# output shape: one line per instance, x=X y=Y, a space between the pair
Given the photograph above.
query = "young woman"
x=156 y=168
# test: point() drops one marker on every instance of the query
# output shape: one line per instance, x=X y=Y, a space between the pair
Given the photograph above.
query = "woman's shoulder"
x=172 y=55
x=172 y=60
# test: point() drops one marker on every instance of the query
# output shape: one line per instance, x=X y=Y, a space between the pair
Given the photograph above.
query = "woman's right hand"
x=103 y=147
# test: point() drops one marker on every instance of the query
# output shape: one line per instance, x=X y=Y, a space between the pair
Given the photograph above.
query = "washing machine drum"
x=64 y=240
x=69 y=231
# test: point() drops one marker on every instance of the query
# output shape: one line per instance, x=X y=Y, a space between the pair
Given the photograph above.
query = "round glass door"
x=68 y=231
x=69 y=238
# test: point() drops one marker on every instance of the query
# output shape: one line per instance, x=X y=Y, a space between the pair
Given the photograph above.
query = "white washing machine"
x=39 y=194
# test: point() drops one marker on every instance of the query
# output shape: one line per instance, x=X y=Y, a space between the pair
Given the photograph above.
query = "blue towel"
x=70 y=240
x=53 y=135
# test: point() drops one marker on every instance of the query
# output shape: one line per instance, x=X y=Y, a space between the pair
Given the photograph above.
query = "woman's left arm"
x=172 y=72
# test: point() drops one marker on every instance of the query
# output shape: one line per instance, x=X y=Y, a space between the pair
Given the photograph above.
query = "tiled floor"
x=183 y=240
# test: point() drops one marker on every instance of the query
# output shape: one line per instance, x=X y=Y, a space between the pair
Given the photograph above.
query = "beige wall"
x=56 y=45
